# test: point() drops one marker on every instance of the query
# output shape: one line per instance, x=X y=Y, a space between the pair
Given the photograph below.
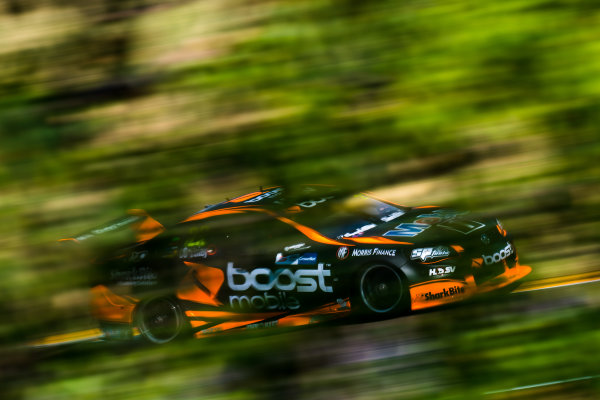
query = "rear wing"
x=138 y=222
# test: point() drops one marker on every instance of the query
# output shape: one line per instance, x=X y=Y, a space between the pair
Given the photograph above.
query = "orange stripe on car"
x=147 y=228
x=108 y=306
x=206 y=214
x=228 y=315
x=442 y=291
x=434 y=262
x=211 y=314
x=245 y=197
x=311 y=233
x=69 y=240
x=294 y=320
x=211 y=278
x=376 y=240
x=502 y=231
x=308 y=232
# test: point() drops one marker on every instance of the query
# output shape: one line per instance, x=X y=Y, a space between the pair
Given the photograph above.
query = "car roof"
x=274 y=199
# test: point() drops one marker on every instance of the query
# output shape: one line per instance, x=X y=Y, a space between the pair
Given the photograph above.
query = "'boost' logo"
x=264 y=279
x=499 y=256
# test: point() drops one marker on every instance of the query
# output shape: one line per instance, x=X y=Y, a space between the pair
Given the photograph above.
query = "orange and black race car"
x=278 y=257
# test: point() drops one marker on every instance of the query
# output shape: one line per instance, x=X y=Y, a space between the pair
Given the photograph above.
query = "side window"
x=272 y=235
x=219 y=230
x=238 y=235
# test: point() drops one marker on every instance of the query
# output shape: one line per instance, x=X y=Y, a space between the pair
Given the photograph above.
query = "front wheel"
x=381 y=291
x=159 y=320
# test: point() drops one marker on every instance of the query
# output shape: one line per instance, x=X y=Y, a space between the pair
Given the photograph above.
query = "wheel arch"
x=404 y=304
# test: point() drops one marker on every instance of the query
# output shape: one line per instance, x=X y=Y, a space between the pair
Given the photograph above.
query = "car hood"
x=435 y=225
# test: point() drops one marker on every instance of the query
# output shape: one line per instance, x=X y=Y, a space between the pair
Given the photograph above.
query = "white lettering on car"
x=277 y=301
x=266 y=195
x=427 y=253
x=312 y=203
x=392 y=216
x=407 y=230
x=374 y=252
x=499 y=256
x=358 y=231
x=264 y=279
x=442 y=271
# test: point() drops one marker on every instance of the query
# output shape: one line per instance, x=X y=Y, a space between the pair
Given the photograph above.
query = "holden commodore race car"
x=283 y=257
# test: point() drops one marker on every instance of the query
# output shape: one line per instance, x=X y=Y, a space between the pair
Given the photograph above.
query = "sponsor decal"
x=446 y=218
x=296 y=259
x=435 y=292
x=462 y=226
x=196 y=252
x=498 y=256
x=142 y=276
x=428 y=220
x=441 y=271
x=312 y=203
x=296 y=247
x=343 y=253
x=268 y=324
x=374 y=252
x=407 y=230
x=449 y=292
x=430 y=253
x=277 y=301
x=116 y=226
x=360 y=231
x=271 y=193
x=283 y=279
x=392 y=216
x=344 y=304
x=443 y=214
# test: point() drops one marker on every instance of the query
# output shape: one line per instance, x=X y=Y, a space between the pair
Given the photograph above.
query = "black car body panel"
x=282 y=257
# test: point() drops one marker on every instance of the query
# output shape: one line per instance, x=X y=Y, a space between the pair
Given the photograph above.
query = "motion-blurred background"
x=491 y=106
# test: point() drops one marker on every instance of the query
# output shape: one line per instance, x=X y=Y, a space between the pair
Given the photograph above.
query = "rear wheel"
x=159 y=320
x=381 y=291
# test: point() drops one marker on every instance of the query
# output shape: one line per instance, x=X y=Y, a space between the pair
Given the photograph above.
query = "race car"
x=294 y=256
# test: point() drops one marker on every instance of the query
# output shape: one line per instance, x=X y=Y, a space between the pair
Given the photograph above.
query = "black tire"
x=381 y=291
x=159 y=320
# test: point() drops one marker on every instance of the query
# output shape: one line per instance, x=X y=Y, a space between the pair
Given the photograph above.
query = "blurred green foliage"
x=107 y=105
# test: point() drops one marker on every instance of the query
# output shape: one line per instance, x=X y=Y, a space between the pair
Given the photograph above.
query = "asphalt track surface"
x=542 y=284
x=411 y=350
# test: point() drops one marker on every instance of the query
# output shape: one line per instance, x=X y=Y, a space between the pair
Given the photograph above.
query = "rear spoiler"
x=143 y=226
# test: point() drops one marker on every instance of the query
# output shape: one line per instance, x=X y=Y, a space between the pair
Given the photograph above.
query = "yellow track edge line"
x=550 y=283
x=66 y=338
x=541 y=284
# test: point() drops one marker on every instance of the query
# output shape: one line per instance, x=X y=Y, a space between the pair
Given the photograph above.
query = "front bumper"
x=509 y=276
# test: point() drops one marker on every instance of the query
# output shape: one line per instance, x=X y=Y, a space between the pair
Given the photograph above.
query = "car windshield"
x=344 y=217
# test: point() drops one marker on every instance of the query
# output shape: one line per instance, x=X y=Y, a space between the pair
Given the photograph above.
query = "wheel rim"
x=381 y=288
x=160 y=320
